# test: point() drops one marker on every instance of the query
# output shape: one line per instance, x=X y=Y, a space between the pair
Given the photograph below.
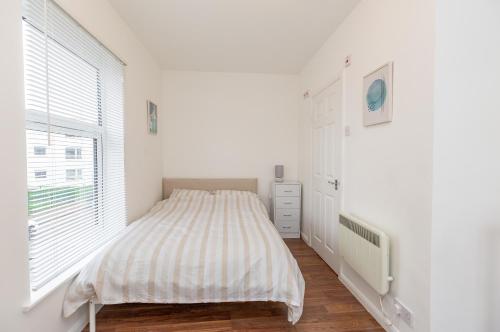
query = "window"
x=40 y=174
x=73 y=153
x=74 y=118
x=39 y=150
x=73 y=174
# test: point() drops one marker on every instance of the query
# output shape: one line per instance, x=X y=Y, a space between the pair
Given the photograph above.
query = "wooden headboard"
x=169 y=184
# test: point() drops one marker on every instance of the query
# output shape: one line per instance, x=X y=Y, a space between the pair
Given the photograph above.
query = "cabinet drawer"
x=288 y=190
x=290 y=235
x=287 y=214
x=288 y=227
x=287 y=202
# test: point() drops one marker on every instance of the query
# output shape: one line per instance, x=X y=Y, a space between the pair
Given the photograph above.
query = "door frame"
x=340 y=151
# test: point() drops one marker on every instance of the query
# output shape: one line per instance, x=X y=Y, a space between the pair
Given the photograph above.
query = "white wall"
x=142 y=154
x=387 y=168
x=466 y=213
x=13 y=190
x=229 y=125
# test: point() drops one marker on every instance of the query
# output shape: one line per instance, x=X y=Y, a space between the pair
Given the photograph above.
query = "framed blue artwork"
x=377 y=96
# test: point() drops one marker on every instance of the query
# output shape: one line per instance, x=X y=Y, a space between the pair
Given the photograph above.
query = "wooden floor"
x=328 y=306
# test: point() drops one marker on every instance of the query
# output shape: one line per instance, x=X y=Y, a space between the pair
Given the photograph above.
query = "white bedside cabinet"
x=286 y=203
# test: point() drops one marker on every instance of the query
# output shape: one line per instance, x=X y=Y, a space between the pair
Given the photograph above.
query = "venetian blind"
x=74 y=141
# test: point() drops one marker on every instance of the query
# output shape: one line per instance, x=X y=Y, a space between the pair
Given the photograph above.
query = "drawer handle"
x=286 y=227
x=288 y=191
x=287 y=203
x=287 y=215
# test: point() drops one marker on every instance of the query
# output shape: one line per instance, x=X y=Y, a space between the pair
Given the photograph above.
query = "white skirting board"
x=373 y=309
x=80 y=325
x=305 y=237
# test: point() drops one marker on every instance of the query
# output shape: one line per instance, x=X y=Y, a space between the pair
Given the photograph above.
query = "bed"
x=209 y=240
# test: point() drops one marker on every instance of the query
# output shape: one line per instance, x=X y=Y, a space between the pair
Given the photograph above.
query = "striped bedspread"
x=195 y=247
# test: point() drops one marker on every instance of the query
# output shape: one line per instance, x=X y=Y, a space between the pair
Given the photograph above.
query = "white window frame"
x=37 y=120
x=103 y=134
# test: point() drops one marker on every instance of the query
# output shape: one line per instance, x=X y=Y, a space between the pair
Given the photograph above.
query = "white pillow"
x=178 y=193
x=235 y=192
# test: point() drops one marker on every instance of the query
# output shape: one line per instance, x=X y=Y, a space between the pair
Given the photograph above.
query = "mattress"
x=195 y=247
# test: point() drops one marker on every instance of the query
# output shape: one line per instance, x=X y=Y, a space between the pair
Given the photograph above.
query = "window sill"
x=38 y=296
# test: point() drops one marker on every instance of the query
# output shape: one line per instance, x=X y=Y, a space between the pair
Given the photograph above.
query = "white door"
x=326 y=112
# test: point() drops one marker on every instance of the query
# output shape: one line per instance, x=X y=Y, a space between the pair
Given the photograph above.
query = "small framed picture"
x=377 y=96
x=152 y=118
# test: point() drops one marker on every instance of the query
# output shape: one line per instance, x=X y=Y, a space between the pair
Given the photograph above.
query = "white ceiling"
x=263 y=36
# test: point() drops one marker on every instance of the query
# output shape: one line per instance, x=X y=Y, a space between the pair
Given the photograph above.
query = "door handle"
x=334 y=183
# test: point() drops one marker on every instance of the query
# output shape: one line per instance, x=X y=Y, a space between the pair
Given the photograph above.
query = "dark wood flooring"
x=328 y=306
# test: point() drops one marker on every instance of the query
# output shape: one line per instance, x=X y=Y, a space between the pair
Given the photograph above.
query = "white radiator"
x=366 y=249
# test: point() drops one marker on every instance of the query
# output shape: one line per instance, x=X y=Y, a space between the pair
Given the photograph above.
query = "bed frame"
x=168 y=185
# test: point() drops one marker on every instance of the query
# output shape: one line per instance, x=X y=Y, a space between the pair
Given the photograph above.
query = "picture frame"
x=152 y=115
x=377 y=95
